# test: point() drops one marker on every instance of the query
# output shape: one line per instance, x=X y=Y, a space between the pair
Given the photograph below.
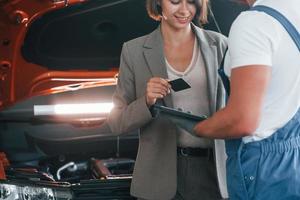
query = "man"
x=261 y=121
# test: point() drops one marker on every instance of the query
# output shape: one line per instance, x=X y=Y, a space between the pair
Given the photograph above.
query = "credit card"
x=179 y=84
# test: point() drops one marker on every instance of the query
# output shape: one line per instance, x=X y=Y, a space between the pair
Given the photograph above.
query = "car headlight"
x=14 y=192
x=37 y=193
x=9 y=192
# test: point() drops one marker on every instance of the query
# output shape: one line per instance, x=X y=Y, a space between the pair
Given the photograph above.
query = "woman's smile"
x=183 y=19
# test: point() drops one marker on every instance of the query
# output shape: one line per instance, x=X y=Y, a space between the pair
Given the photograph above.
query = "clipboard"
x=182 y=119
x=171 y=111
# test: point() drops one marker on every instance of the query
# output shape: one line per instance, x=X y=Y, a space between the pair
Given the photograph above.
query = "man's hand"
x=156 y=88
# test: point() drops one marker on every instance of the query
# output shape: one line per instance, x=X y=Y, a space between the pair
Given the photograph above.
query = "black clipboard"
x=182 y=119
x=171 y=111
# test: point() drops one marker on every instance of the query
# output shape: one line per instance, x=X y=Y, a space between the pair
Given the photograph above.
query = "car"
x=58 y=70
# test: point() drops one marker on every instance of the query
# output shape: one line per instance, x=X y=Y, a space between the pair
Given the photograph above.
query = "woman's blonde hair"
x=154 y=10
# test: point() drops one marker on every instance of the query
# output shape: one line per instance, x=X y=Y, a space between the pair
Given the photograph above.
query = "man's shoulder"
x=253 y=24
x=252 y=18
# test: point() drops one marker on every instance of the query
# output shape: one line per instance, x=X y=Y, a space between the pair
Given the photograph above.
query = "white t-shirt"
x=257 y=38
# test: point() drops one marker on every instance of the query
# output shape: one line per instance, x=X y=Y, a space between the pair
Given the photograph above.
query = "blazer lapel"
x=209 y=54
x=154 y=56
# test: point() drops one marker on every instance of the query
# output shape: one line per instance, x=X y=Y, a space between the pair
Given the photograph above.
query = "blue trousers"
x=268 y=169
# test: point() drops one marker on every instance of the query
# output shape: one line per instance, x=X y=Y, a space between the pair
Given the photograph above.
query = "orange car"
x=58 y=69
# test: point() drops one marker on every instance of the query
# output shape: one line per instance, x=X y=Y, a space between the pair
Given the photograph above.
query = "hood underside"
x=54 y=46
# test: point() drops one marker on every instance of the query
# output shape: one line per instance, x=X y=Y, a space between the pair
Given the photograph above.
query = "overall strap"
x=289 y=27
x=223 y=76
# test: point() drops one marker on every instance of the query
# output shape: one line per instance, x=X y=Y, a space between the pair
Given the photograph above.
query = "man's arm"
x=241 y=116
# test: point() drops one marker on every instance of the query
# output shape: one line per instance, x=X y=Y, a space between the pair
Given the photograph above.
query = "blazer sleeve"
x=129 y=112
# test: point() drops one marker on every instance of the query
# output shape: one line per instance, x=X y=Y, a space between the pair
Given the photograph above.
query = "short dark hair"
x=155 y=12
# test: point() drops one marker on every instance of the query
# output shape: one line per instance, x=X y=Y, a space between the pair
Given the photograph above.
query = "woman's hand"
x=156 y=88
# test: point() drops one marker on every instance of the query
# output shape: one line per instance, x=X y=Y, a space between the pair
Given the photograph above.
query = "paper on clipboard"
x=183 y=120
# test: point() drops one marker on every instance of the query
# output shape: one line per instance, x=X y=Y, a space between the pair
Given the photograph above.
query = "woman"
x=171 y=163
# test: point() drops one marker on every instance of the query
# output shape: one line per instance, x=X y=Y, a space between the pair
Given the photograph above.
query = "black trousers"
x=196 y=179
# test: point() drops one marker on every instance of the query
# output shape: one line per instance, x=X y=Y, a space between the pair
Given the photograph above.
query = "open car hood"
x=51 y=46
x=54 y=46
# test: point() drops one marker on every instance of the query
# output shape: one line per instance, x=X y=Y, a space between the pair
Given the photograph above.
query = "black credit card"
x=179 y=84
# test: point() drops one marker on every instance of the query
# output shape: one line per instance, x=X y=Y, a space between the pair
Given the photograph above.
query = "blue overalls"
x=268 y=169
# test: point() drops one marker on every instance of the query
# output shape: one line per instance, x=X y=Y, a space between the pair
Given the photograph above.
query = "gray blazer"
x=154 y=175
